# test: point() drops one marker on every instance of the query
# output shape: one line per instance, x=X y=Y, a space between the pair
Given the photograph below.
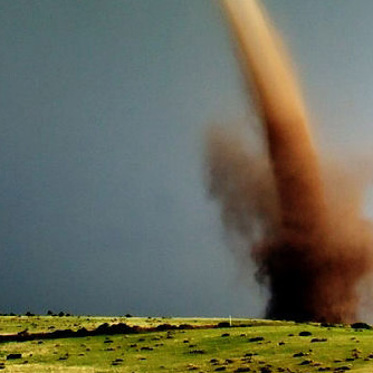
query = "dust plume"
x=300 y=216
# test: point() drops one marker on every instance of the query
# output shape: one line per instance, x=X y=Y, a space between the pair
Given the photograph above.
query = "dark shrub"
x=185 y=326
x=223 y=324
x=166 y=327
x=256 y=339
x=305 y=334
x=361 y=325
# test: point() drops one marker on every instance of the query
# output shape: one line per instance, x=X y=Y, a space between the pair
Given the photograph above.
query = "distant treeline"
x=49 y=313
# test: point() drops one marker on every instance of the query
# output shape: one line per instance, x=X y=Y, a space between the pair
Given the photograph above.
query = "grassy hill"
x=160 y=345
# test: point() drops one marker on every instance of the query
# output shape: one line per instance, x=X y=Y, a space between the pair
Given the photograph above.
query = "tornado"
x=302 y=222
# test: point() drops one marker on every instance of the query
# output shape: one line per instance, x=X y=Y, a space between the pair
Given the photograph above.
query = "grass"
x=34 y=324
x=263 y=346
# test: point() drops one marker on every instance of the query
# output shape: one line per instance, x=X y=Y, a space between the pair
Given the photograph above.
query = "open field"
x=260 y=346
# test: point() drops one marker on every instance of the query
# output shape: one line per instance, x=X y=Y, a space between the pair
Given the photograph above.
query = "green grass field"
x=261 y=346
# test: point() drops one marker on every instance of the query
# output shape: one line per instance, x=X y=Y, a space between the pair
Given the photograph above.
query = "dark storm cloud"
x=102 y=202
x=104 y=106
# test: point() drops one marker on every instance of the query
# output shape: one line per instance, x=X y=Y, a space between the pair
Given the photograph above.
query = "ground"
x=247 y=346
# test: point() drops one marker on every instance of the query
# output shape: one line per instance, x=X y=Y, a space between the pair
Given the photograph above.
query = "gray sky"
x=104 y=106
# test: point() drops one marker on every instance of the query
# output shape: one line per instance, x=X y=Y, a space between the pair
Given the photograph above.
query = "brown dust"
x=299 y=215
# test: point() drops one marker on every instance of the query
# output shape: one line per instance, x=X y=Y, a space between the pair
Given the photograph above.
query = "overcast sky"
x=104 y=106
